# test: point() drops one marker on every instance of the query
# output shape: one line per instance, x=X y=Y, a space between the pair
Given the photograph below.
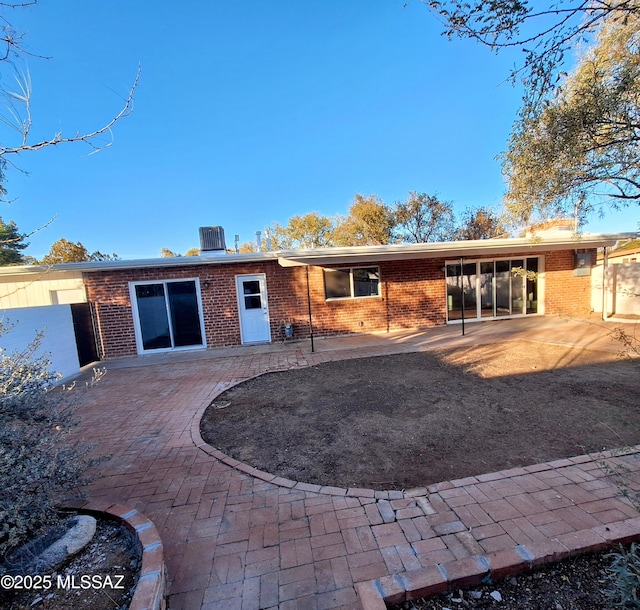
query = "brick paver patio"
x=235 y=537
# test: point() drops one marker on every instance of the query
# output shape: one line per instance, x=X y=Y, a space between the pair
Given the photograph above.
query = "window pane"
x=252 y=302
x=517 y=281
x=454 y=292
x=503 y=288
x=185 y=318
x=469 y=290
x=337 y=283
x=486 y=289
x=366 y=282
x=251 y=287
x=532 y=285
x=152 y=313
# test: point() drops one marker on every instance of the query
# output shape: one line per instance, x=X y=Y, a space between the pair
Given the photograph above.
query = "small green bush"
x=38 y=464
x=625 y=573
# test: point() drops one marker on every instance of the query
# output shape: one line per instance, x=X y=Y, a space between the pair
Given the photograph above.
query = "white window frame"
x=477 y=261
x=351 y=283
x=136 y=315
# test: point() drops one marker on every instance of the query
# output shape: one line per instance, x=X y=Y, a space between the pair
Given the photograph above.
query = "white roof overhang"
x=447 y=250
x=174 y=261
x=346 y=256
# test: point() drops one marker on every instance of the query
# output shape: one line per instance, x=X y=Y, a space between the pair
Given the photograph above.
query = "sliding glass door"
x=492 y=289
x=167 y=315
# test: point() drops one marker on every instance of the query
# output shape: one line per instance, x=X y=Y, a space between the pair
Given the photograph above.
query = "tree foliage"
x=423 y=218
x=583 y=147
x=479 y=223
x=544 y=31
x=65 y=251
x=310 y=230
x=11 y=243
x=370 y=222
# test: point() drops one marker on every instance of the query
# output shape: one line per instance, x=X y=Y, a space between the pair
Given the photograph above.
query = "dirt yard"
x=407 y=420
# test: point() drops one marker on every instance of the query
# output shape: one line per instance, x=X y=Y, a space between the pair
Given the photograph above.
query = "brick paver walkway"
x=238 y=538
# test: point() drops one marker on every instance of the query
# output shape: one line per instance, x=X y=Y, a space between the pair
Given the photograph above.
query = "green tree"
x=65 y=251
x=583 y=147
x=11 y=243
x=311 y=230
x=100 y=256
x=479 y=223
x=370 y=222
x=543 y=31
x=424 y=218
x=247 y=247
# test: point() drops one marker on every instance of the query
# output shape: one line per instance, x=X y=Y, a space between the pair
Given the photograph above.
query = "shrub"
x=625 y=573
x=38 y=463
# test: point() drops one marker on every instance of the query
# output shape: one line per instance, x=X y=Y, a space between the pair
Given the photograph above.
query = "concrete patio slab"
x=235 y=537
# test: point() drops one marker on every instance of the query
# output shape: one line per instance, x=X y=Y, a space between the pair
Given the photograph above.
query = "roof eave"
x=455 y=249
x=176 y=261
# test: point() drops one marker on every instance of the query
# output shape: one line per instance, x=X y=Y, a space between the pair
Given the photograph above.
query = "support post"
x=462 y=285
x=605 y=283
x=310 y=317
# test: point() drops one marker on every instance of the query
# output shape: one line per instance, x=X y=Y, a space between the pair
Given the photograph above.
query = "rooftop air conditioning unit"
x=212 y=241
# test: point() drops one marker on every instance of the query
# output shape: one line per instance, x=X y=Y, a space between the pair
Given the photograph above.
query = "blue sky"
x=250 y=112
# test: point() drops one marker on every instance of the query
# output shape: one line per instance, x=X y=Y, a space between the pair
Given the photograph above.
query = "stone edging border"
x=377 y=594
x=150 y=591
x=359 y=492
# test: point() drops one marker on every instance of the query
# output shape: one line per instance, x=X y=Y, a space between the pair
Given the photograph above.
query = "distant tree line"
x=13 y=242
x=370 y=221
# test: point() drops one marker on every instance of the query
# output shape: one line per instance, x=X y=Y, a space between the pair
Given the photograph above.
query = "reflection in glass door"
x=152 y=316
x=492 y=289
x=462 y=291
x=517 y=289
x=486 y=290
x=168 y=315
x=503 y=288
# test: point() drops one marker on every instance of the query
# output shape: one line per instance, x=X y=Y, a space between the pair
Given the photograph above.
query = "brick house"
x=213 y=301
x=219 y=299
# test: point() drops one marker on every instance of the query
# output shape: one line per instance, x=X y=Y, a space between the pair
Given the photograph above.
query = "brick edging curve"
x=151 y=587
x=200 y=443
x=360 y=492
x=471 y=571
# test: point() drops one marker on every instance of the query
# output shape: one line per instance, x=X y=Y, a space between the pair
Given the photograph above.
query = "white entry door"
x=253 y=308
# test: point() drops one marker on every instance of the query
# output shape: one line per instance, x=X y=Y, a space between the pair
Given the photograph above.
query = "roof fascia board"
x=488 y=247
x=177 y=261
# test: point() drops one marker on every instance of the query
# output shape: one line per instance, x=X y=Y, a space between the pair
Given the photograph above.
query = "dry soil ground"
x=406 y=420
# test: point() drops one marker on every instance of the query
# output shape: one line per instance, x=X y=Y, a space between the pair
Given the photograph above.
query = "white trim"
x=262 y=279
x=480 y=318
x=351 y=283
x=136 y=316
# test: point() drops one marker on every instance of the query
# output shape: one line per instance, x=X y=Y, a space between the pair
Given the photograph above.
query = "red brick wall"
x=413 y=294
x=566 y=293
x=109 y=292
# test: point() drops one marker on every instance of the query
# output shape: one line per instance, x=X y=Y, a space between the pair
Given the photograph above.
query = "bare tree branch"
x=88 y=138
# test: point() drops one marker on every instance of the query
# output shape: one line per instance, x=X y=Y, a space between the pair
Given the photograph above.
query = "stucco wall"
x=56 y=322
x=622 y=287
